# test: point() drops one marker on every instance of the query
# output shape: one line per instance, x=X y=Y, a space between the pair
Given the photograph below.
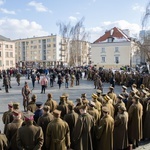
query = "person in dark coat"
x=59 y=82
x=82 y=135
x=33 y=78
x=38 y=112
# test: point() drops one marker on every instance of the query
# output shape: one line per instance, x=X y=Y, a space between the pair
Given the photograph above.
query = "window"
x=0 y=54
x=48 y=45
x=103 y=59
x=54 y=45
x=11 y=62
x=7 y=54
x=39 y=41
x=0 y=63
x=39 y=46
x=116 y=49
x=110 y=39
x=116 y=59
x=11 y=54
x=48 y=40
x=54 y=39
x=6 y=46
x=7 y=63
x=11 y=46
x=103 y=50
x=0 y=45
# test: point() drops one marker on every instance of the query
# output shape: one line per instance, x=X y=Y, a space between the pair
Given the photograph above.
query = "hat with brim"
x=144 y=91
x=122 y=108
x=82 y=107
x=99 y=91
x=56 y=113
x=111 y=88
x=136 y=97
x=106 y=98
x=92 y=104
x=16 y=105
x=28 y=115
x=16 y=113
x=10 y=105
x=105 y=109
x=79 y=100
x=124 y=87
x=120 y=96
x=94 y=96
x=39 y=104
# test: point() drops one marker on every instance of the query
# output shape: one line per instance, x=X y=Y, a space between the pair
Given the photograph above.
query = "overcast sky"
x=26 y=18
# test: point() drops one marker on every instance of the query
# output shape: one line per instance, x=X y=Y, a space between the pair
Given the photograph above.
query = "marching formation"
x=106 y=121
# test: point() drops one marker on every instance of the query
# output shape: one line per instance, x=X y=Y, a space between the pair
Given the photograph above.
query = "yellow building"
x=7 y=53
x=114 y=49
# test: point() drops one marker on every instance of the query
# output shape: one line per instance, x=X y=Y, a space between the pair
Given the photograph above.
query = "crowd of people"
x=107 y=121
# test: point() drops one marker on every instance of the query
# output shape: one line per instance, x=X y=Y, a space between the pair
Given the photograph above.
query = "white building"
x=7 y=53
x=42 y=51
x=114 y=49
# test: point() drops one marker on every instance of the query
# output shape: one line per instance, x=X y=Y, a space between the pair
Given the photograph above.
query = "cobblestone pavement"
x=85 y=86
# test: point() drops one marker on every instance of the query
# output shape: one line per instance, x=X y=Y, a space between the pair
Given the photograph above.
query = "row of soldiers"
x=121 y=77
x=107 y=122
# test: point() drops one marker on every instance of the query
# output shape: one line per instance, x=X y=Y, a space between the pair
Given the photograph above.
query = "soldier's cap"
x=26 y=83
x=120 y=96
x=83 y=107
x=38 y=104
x=56 y=113
x=111 y=88
x=65 y=94
x=122 y=108
x=134 y=85
x=28 y=115
x=91 y=103
x=62 y=98
x=83 y=95
x=142 y=86
x=46 y=108
x=147 y=89
x=105 y=109
x=49 y=95
x=79 y=100
x=94 y=96
x=144 y=91
x=16 y=113
x=71 y=106
x=124 y=87
x=10 y=104
x=136 y=97
x=99 y=91
x=34 y=96
x=106 y=97
x=16 y=105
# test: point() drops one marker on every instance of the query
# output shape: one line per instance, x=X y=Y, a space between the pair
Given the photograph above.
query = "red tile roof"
x=114 y=33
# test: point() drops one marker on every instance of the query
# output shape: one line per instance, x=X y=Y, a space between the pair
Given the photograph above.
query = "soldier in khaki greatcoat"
x=112 y=95
x=51 y=103
x=135 y=122
x=71 y=119
x=57 y=133
x=121 y=129
x=44 y=120
x=25 y=93
x=32 y=104
x=12 y=128
x=10 y=109
x=29 y=137
x=104 y=131
x=4 y=144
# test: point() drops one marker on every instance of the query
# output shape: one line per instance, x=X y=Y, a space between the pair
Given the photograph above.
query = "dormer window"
x=110 y=39
x=116 y=49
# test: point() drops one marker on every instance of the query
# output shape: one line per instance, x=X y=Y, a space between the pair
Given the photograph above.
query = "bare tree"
x=74 y=34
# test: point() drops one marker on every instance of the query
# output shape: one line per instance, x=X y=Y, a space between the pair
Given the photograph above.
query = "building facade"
x=48 y=51
x=7 y=53
x=115 y=49
x=39 y=51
